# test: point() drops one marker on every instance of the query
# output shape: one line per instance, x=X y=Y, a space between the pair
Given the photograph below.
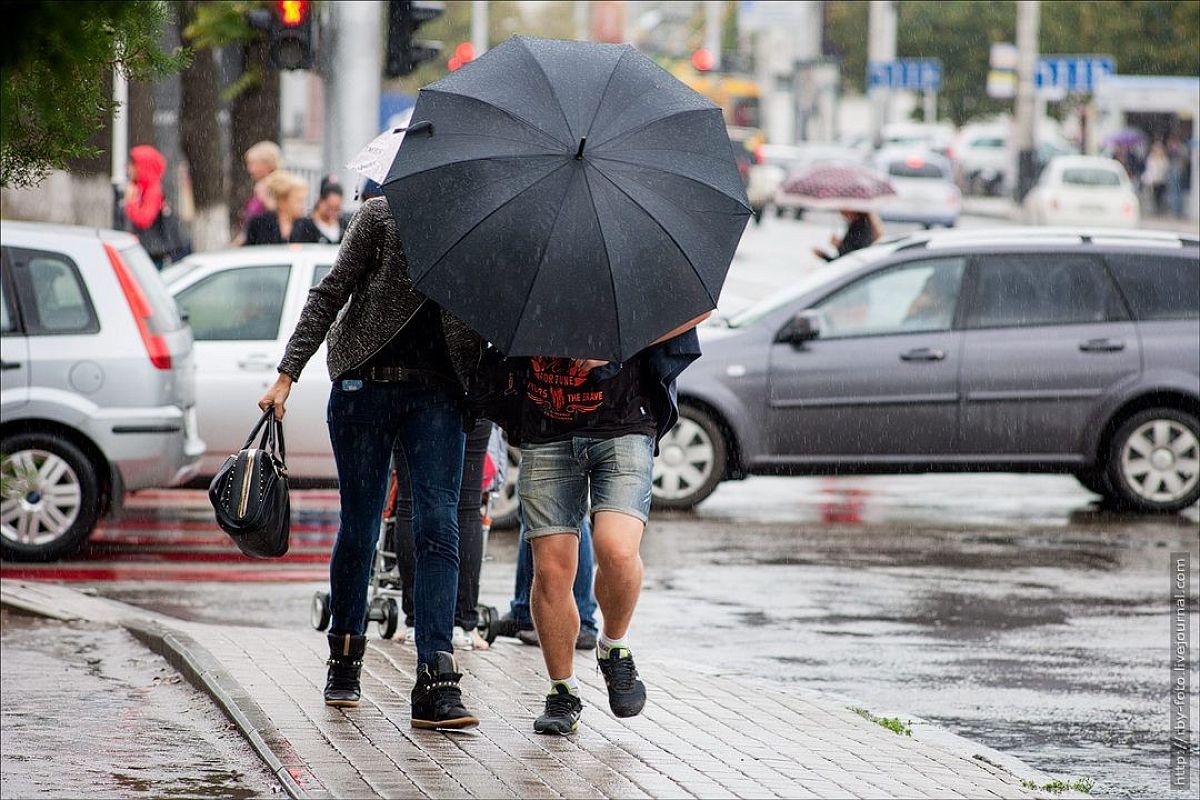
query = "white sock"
x=570 y=682
x=604 y=644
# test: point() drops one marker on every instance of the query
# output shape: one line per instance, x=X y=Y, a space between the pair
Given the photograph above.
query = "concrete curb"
x=206 y=673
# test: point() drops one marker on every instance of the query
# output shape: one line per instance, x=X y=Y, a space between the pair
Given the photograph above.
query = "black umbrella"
x=567 y=198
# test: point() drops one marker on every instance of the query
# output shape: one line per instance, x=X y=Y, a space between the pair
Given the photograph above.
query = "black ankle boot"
x=437 y=700
x=345 y=666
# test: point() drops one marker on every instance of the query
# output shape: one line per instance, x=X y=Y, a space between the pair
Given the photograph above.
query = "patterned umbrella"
x=839 y=186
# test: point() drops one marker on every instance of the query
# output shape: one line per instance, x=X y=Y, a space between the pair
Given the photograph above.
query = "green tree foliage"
x=1146 y=37
x=55 y=60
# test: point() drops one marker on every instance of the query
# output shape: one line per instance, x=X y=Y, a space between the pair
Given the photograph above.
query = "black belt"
x=399 y=375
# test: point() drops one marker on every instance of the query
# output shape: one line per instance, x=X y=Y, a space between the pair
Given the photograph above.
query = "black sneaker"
x=562 y=712
x=437 y=700
x=626 y=693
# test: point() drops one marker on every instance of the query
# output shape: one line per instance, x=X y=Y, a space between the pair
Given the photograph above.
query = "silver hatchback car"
x=1035 y=350
x=98 y=384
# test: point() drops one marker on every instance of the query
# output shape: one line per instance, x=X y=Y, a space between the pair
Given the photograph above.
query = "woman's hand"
x=277 y=395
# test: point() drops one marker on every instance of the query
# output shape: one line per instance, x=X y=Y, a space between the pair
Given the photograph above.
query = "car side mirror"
x=804 y=327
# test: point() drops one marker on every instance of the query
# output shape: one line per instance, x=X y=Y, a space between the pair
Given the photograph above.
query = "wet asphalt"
x=90 y=711
x=1010 y=609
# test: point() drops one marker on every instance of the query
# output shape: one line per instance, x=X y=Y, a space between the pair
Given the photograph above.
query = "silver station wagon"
x=1035 y=350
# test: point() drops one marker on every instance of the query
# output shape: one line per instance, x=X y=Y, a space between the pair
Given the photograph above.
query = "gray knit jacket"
x=371 y=272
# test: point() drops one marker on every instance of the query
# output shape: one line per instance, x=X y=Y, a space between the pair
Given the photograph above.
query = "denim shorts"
x=555 y=478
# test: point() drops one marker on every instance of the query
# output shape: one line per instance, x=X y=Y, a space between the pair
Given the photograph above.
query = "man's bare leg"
x=552 y=600
x=616 y=540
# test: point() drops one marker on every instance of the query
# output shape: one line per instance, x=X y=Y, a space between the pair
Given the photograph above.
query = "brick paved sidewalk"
x=700 y=736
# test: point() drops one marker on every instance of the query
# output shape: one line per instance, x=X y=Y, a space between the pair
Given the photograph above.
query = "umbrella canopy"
x=847 y=187
x=567 y=198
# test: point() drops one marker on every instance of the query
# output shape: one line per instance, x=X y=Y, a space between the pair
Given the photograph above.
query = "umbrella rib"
x=674 y=241
x=542 y=260
x=488 y=216
x=600 y=102
x=654 y=121
x=549 y=84
x=607 y=258
x=519 y=119
x=640 y=165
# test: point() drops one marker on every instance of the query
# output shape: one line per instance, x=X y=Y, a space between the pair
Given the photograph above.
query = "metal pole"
x=120 y=144
x=353 y=85
x=582 y=21
x=930 y=106
x=881 y=46
x=479 y=26
x=714 y=10
x=1028 y=17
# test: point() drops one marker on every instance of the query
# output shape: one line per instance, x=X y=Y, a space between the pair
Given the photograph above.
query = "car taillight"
x=156 y=345
x=1127 y=210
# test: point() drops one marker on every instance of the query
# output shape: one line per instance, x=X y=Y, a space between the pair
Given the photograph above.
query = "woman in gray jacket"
x=399 y=365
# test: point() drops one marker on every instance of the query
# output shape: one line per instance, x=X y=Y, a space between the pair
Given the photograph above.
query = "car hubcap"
x=1161 y=460
x=685 y=461
x=39 y=497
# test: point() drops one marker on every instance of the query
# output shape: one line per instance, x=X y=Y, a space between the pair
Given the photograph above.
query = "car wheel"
x=1154 y=461
x=506 y=506
x=49 y=497
x=780 y=212
x=691 y=461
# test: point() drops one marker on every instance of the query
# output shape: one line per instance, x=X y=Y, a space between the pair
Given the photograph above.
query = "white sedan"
x=925 y=190
x=1083 y=190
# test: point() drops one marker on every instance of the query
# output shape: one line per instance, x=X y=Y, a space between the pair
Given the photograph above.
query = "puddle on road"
x=91 y=711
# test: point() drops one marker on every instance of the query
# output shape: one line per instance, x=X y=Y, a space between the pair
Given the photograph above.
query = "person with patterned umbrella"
x=853 y=191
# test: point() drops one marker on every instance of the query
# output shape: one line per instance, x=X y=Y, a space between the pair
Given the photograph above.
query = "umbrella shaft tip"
x=579 y=152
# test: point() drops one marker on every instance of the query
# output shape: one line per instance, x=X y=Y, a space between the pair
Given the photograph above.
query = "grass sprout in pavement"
x=893 y=724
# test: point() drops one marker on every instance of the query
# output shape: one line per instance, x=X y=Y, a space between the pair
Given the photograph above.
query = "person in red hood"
x=144 y=193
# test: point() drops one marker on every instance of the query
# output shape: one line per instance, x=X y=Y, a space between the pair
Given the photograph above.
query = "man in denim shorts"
x=589 y=432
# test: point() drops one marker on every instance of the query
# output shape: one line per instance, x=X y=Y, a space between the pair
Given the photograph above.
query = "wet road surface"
x=92 y=712
x=1010 y=609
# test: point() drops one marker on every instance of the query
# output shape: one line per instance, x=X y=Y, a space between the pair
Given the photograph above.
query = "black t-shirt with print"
x=562 y=402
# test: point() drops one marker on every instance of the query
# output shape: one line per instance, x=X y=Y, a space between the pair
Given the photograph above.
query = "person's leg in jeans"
x=430 y=431
x=362 y=426
x=402 y=533
x=470 y=527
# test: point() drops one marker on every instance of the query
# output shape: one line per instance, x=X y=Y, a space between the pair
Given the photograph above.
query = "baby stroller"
x=383 y=607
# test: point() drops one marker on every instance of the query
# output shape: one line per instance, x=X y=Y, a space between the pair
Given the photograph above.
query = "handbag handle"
x=268 y=414
x=275 y=429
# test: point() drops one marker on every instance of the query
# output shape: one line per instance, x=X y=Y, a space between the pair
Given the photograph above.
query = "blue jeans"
x=365 y=418
x=585 y=597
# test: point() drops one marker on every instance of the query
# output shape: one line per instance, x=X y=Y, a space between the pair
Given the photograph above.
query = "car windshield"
x=825 y=274
x=1090 y=176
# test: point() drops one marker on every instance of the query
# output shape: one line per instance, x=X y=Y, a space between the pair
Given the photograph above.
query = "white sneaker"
x=461 y=639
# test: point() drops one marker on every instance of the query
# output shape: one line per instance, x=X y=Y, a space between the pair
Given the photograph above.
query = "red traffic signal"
x=464 y=54
x=703 y=60
x=292 y=12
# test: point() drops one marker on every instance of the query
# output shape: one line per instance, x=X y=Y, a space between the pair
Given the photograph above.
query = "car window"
x=1020 y=290
x=1089 y=176
x=236 y=304
x=8 y=317
x=319 y=272
x=1159 y=286
x=914 y=168
x=917 y=296
x=52 y=294
x=991 y=143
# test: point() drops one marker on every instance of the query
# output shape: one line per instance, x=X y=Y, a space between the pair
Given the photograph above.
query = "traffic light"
x=291 y=35
x=703 y=60
x=404 y=53
x=463 y=54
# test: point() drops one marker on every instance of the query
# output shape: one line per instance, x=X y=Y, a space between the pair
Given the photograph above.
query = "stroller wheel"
x=389 y=618
x=488 y=617
x=320 y=612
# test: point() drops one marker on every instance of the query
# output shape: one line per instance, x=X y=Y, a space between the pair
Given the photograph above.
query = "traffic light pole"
x=479 y=26
x=353 y=84
x=1028 y=17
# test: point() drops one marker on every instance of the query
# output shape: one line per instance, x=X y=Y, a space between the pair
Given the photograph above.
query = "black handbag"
x=250 y=493
x=164 y=238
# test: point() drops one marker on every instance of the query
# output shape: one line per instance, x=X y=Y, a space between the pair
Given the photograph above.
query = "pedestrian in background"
x=288 y=222
x=1155 y=176
x=261 y=160
x=1176 y=164
x=146 y=209
x=327 y=213
x=399 y=365
x=863 y=230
